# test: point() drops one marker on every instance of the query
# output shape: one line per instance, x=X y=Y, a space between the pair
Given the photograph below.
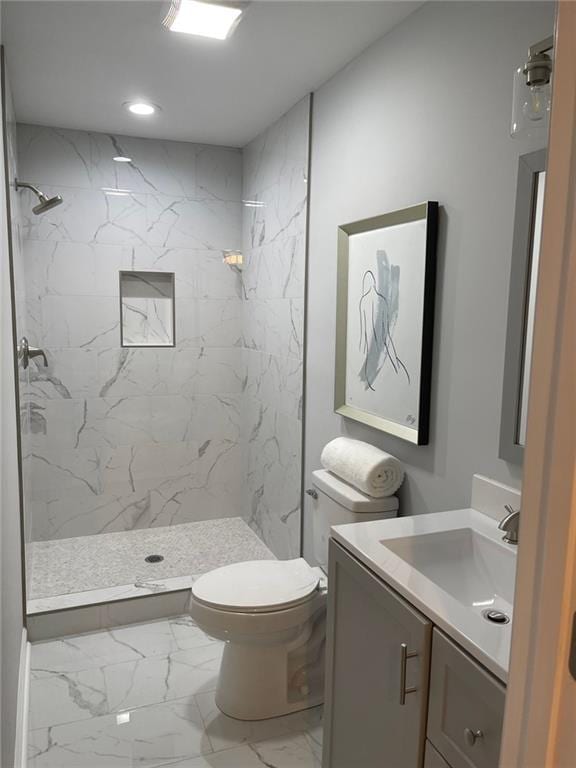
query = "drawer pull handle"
x=405 y=654
x=471 y=737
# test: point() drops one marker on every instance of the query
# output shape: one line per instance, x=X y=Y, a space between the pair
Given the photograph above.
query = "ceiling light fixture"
x=141 y=108
x=122 y=159
x=206 y=19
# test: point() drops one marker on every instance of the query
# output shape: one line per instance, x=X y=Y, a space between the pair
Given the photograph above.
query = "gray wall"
x=274 y=236
x=424 y=114
x=11 y=602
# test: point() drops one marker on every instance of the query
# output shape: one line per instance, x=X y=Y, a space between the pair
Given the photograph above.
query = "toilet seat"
x=257 y=586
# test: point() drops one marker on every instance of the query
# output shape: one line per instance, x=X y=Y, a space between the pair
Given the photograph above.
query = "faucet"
x=510 y=525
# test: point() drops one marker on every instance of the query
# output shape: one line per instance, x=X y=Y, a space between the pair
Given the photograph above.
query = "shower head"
x=45 y=203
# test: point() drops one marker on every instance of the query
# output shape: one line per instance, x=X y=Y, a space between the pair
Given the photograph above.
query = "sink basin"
x=475 y=570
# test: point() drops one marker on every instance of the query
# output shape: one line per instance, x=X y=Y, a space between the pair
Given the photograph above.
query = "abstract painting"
x=386 y=270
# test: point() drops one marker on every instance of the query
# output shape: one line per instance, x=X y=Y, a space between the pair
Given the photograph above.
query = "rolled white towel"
x=364 y=466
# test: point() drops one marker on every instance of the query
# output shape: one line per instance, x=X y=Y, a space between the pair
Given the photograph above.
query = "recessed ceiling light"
x=206 y=19
x=141 y=108
x=122 y=159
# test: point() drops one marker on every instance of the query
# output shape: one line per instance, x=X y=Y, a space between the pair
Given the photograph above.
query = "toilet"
x=272 y=613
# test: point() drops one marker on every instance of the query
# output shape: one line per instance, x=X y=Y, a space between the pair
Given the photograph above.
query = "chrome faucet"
x=510 y=525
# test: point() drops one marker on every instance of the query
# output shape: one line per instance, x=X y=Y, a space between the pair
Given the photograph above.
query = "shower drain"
x=496 y=617
x=154 y=558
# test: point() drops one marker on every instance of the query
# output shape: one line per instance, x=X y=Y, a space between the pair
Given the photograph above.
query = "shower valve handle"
x=26 y=352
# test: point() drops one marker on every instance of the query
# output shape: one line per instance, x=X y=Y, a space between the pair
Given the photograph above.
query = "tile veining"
x=144 y=695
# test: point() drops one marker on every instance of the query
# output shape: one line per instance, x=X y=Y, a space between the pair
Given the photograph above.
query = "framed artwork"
x=385 y=320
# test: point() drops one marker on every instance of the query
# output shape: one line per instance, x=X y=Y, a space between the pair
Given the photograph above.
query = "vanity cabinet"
x=399 y=693
x=466 y=708
x=378 y=658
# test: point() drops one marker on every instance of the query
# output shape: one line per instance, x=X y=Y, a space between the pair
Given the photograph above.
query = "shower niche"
x=147 y=309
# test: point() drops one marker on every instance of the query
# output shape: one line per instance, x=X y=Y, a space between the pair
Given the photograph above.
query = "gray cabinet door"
x=366 y=723
x=466 y=708
x=433 y=759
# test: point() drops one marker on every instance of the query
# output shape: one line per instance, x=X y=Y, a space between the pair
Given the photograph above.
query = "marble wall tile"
x=277 y=212
x=184 y=371
x=85 y=159
x=199 y=273
x=276 y=381
x=218 y=173
x=118 y=491
x=131 y=438
x=273 y=479
x=77 y=269
x=88 y=216
x=275 y=271
x=274 y=237
x=275 y=326
x=80 y=321
x=209 y=323
x=123 y=438
x=184 y=223
x=277 y=150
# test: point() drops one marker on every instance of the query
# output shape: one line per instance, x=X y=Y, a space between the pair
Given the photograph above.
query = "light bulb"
x=537 y=104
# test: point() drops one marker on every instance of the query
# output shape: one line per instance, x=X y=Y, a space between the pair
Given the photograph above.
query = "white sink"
x=474 y=569
x=453 y=567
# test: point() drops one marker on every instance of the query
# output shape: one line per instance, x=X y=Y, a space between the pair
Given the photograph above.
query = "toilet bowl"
x=271 y=614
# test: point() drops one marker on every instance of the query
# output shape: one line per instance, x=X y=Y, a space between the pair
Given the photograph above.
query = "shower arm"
x=24 y=185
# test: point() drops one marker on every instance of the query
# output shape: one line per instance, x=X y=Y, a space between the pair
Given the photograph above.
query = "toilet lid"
x=257 y=585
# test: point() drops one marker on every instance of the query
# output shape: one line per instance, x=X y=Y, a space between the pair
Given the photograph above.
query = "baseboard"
x=21 y=746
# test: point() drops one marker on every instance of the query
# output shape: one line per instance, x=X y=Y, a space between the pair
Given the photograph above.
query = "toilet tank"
x=335 y=502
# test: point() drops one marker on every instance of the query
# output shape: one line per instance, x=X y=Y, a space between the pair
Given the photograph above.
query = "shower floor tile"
x=114 y=563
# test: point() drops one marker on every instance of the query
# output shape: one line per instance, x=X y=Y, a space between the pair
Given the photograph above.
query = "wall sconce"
x=233 y=259
x=531 y=94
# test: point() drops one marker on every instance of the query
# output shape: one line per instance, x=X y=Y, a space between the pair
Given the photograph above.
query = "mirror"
x=521 y=304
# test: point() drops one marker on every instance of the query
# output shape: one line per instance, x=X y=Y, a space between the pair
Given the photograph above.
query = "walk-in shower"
x=161 y=432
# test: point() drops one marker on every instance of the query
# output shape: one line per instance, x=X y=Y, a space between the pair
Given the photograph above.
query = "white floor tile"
x=152 y=680
x=146 y=737
x=81 y=652
x=226 y=732
x=66 y=697
x=187 y=634
x=241 y=757
x=150 y=639
x=156 y=681
x=293 y=751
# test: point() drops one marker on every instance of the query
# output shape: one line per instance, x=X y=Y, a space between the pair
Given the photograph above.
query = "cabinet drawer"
x=433 y=759
x=466 y=708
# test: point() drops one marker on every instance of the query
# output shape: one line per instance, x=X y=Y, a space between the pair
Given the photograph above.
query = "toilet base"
x=257 y=682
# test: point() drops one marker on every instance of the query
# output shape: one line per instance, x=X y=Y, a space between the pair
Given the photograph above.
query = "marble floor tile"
x=145 y=737
x=151 y=639
x=81 y=652
x=154 y=680
x=188 y=635
x=226 y=732
x=66 y=697
x=294 y=751
x=241 y=757
x=143 y=695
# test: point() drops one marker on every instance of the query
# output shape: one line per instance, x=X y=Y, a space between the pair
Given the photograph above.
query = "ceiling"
x=73 y=64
